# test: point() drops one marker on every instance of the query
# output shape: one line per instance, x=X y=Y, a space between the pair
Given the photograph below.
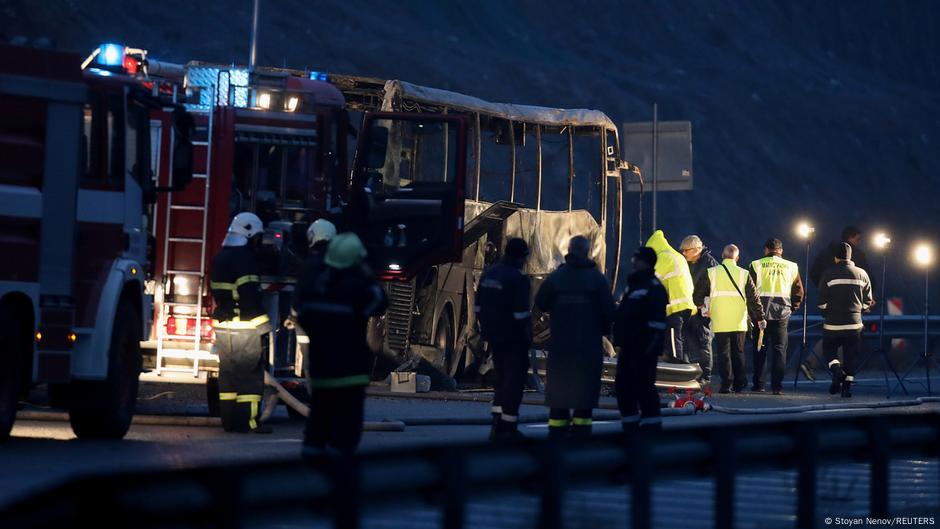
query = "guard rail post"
x=879 y=444
x=552 y=485
x=807 y=463
x=724 y=469
x=453 y=468
x=639 y=455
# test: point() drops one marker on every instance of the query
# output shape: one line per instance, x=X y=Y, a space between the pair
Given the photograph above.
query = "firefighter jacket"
x=844 y=293
x=308 y=271
x=503 y=305
x=673 y=271
x=236 y=288
x=778 y=285
x=731 y=297
x=640 y=321
x=578 y=298
x=335 y=307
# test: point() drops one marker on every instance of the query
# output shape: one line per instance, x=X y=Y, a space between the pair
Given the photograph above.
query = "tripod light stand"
x=805 y=232
x=923 y=256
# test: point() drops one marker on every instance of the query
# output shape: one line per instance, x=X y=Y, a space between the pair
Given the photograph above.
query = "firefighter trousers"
x=241 y=377
x=635 y=384
x=335 y=418
x=511 y=363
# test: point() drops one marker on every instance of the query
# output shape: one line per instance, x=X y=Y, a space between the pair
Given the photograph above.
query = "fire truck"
x=76 y=195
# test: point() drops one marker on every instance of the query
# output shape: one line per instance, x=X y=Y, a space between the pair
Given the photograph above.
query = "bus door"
x=407 y=200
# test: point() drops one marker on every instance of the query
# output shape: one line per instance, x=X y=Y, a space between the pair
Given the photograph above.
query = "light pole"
x=923 y=257
x=881 y=242
x=805 y=231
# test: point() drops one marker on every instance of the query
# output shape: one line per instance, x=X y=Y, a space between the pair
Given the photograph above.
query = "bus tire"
x=445 y=342
x=14 y=348
x=104 y=409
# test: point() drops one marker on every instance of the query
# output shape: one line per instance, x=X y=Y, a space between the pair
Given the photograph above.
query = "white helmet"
x=320 y=230
x=243 y=227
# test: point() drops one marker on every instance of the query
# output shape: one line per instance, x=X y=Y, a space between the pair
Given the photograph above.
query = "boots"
x=837 y=375
x=507 y=431
x=847 y=382
x=494 y=428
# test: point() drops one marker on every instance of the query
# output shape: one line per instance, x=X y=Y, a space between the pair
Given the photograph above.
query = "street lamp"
x=922 y=256
x=805 y=231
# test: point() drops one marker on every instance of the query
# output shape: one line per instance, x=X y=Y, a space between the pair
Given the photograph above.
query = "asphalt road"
x=44 y=453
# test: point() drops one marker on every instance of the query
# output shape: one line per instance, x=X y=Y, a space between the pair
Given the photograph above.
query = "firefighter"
x=335 y=306
x=673 y=272
x=319 y=234
x=502 y=307
x=639 y=332
x=728 y=295
x=241 y=325
x=578 y=298
x=844 y=293
x=698 y=333
x=781 y=293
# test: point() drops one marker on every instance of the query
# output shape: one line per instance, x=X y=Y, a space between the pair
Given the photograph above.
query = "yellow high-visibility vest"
x=728 y=308
x=775 y=277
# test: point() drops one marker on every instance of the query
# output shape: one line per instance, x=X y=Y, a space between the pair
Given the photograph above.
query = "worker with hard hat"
x=503 y=309
x=639 y=329
x=335 y=305
x=697 y=334
x=319 y=234
x=673 y=271
x=241 y=325
x=728 y=296
x=781 y=293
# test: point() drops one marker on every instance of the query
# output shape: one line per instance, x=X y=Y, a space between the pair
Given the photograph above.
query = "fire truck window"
x=115 y=135
x=588 y=171
x=298 y=169
x=527 y=160
x=555 y=168
x=495 y=159
x=270 y=164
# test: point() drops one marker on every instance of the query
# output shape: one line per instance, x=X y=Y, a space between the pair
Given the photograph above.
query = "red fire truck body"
x=75 y=189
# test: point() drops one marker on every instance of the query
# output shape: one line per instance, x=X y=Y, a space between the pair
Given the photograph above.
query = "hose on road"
x=824 y=407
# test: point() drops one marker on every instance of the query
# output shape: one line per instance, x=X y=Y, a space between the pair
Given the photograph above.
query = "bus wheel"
x=444 y=342
x=104 y=409
x=13 y=342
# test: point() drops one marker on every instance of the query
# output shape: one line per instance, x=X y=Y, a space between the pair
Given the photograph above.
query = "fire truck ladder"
x=195 y=353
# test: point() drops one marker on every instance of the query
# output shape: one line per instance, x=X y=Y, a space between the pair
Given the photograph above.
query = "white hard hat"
x=320 y=230
x=243 y=227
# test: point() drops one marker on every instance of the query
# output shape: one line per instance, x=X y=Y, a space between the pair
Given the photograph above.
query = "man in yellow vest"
x=728 y=295
x=781 y=293
x=673 y=271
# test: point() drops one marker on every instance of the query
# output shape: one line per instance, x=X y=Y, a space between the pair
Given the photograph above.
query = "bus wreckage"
x=442 y=180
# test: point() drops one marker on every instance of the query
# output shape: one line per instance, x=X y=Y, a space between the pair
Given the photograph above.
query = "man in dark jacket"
x=844 y=293
x=240 y=324
x=578 y=298
x=825 y=260
x=698 y=334
x=639 y=331
x=503 y=309
x=335 y=307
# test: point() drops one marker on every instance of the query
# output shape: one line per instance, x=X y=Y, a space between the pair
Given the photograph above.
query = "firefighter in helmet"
x=335 y=304
x=319 y=234
x=241 y=325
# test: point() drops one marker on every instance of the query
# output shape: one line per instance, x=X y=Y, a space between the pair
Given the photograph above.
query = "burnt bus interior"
x=543 y=182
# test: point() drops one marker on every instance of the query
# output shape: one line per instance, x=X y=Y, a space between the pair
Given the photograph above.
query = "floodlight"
x=882 y=240
x=923 y=254
x=804 y=230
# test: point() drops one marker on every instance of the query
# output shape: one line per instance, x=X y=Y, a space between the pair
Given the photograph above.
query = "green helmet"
x=345 y=250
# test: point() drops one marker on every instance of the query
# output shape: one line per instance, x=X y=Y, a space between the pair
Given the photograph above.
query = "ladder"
x=169 y=346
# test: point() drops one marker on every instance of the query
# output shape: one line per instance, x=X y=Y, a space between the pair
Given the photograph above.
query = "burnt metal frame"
x=225 y=496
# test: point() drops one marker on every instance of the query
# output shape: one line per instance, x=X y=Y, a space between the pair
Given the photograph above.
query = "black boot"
x=847 y=382
x=494 y=428
x=507 y=431
x=558 y=432
x=836 y=367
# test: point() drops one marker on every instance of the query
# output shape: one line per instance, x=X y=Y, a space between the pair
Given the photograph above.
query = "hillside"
x=828 y=110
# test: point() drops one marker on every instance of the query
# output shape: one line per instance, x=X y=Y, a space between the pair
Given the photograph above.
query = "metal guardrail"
x=906 y=326
x=445 y=476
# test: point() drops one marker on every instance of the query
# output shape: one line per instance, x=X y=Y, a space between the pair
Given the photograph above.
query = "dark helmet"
x=645 y=254
x=517 y=248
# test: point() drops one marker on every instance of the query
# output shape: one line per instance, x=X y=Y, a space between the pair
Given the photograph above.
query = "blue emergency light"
x=318 y=76
x=111 y=55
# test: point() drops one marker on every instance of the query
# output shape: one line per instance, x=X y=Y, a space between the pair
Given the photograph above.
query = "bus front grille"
x=401 y=296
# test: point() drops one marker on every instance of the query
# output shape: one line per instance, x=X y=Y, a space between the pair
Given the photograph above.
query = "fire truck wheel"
x=103 y=410
x=13 y=342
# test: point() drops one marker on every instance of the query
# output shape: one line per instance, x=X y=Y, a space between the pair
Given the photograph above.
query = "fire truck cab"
x=75 y=192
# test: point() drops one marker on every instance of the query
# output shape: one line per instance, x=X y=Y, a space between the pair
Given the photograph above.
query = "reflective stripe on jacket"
x=236 y=288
